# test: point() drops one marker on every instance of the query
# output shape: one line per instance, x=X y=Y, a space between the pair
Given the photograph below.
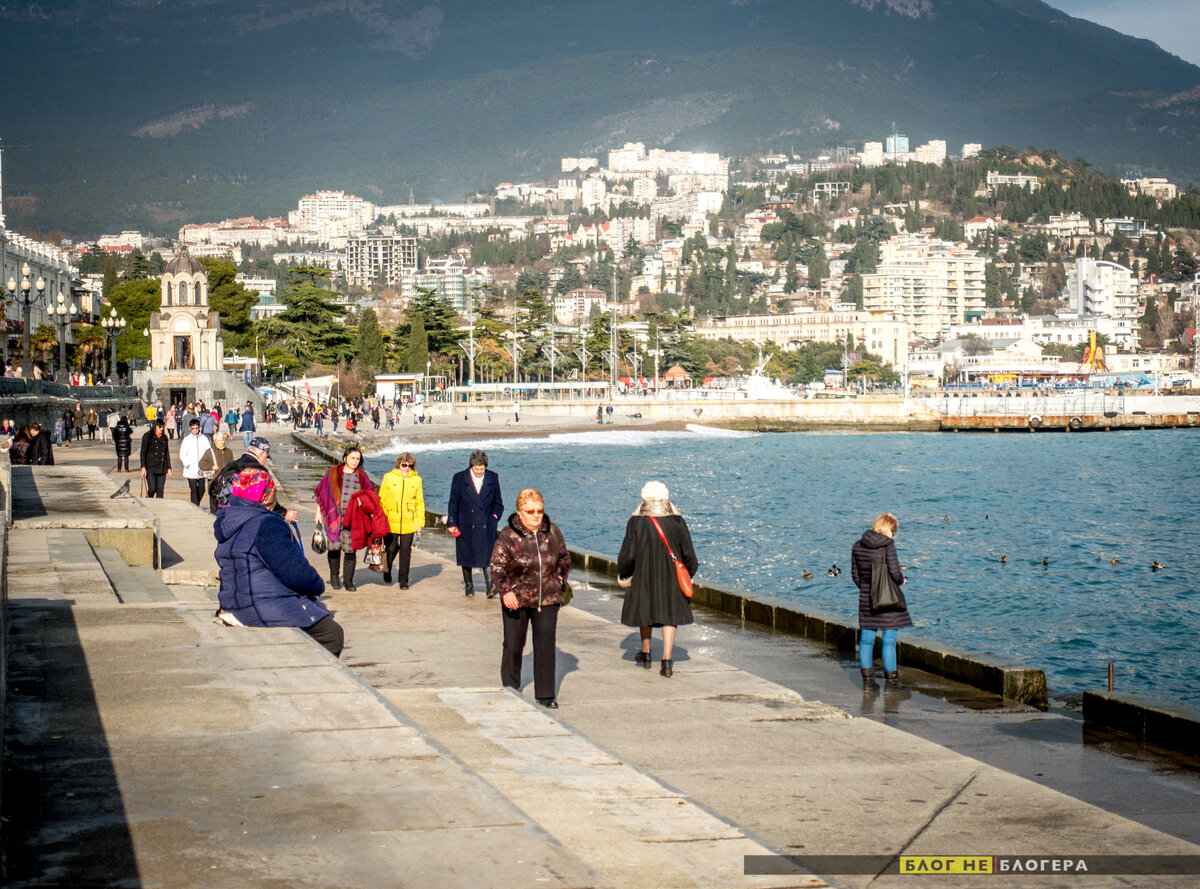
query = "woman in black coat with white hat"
x=645 y=567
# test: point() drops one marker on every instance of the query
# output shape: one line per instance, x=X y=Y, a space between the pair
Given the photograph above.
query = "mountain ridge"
x=326 y=94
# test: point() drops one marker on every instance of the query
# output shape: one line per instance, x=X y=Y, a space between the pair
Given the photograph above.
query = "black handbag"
x=885 y=594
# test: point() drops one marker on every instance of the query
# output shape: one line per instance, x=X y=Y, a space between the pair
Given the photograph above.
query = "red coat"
x=366 y=519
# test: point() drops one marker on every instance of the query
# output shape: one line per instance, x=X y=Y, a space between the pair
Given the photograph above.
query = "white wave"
x=560 y=439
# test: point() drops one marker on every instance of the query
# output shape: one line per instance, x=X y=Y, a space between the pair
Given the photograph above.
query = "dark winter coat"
x=266 y=580
x=477 y=516
x=875 y=549
x=122 y=435
x=42 y=449
x=654 y=597
x=156 y=453
x=532 y=564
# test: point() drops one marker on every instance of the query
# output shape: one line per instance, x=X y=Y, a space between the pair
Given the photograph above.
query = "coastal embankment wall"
x=40 y=401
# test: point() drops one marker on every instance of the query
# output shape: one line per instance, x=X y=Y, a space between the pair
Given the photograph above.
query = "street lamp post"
x=26 y=291
x=62 y=313
x=113 y=327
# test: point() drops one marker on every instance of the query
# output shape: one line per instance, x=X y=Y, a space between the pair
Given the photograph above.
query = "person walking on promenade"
x=247 y=427
x=530 y=564
x=645 y=568
x=102 y=424
x=113 y=417
x=877 y=547
x=194 y=446
x=334 y=493
x=80 y=420
x=42 y=447
x=68 y=425
x=231 y=420
x=171 y=421
x=216 y=458
x=155 y=459
x=92 y=421
x=122 y=436
x=265 y=579
x=403 y=497
x=472 y=517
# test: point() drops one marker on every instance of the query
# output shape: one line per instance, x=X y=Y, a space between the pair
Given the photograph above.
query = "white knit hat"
x=655 y=491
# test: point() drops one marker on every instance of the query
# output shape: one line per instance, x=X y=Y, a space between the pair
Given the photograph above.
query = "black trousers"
x=329 y=635
x=347 y=562
x=399 y=549
x=516 y=624
x=196 y=489
x=155 y=484
x=122 y=463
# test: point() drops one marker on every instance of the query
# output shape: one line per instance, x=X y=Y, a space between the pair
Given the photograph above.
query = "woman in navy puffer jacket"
x=266 y=580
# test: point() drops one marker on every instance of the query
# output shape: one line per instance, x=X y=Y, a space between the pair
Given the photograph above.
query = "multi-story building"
x=687 y=206
x=995 y=180
x=329 y=217
x=622 y=229
x=380 y=256
x=872 y=155
x=130 y=239
x=448 y=276
x=933 y=152
x=1160 y=189
x=970 y=149
x=878 y=333
x=575 y=306
x=895 y=144
x=1098 y=287
x=930 y=284
x=592 y=191
x=246 y=230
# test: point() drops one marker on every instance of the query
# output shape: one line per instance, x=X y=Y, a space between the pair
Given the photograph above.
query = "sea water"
x=978 y=516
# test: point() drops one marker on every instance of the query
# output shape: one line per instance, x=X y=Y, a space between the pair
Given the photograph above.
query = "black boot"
x=643 y=658
x=468 y=584
x=348 y=564
x=892 y=679
x=487 y=579
x=666 y=670
x=868 y=678
x=335 y=580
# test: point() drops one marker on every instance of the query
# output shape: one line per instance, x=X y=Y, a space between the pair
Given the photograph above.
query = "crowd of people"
x=523 y=559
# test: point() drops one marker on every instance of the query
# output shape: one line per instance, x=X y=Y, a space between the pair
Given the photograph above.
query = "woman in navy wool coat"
x=265 y=579
x=472 y=517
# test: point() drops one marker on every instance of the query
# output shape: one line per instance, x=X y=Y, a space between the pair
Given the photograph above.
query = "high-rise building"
x=930 y=284
x=375 y=256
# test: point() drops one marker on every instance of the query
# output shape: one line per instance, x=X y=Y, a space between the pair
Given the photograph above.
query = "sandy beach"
x=475 y=426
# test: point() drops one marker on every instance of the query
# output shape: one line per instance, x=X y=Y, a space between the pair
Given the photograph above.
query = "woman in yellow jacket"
x=404 y=503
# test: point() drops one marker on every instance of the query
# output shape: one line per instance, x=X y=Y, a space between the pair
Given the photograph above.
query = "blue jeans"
x=246 y=436
x=866 y=649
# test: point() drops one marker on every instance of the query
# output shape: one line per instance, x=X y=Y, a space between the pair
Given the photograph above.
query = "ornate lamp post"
x=61 y=314
x=26 y=292
x=113 y=326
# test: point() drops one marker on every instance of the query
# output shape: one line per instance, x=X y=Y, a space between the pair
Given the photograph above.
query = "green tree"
x=418 y=345
x=231 y=301
x=135 y=301
x=370 y=342
x=110 y=277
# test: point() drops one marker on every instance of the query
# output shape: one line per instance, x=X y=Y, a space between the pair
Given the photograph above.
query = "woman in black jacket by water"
x=877 y=547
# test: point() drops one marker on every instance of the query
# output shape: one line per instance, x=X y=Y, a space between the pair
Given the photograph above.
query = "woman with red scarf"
x=334 y=493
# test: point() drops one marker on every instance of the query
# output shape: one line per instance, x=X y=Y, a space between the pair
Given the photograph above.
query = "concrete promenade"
x=146 y=746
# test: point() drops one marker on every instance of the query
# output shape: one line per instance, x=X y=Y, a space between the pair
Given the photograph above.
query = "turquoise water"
x=765 y=508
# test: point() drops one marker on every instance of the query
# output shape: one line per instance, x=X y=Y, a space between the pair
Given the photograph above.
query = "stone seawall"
x=41 y=401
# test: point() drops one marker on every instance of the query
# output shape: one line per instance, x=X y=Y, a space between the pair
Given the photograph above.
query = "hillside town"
x=897 y=265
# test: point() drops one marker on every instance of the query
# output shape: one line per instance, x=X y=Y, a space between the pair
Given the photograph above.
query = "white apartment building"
x=1068 y=225
x=124 y=239
x=644 y=189
x=450 y=277
x=402 y=211
x=878 y=333
x=930 y=284
x=970 y=149
x=995 y=180
x=244 y=230
x=687 y=206
x=1065 y=329
x=622 y=228
x=571 y=164
x=1097 y=287
x=933 y=152
x=328 y=217
x=1160 y=189
x=592 y=191
x=374 y=256
x=575 y=306
x=872 y=155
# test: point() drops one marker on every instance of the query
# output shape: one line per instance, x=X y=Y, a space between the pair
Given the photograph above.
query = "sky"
x=1172 y=24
